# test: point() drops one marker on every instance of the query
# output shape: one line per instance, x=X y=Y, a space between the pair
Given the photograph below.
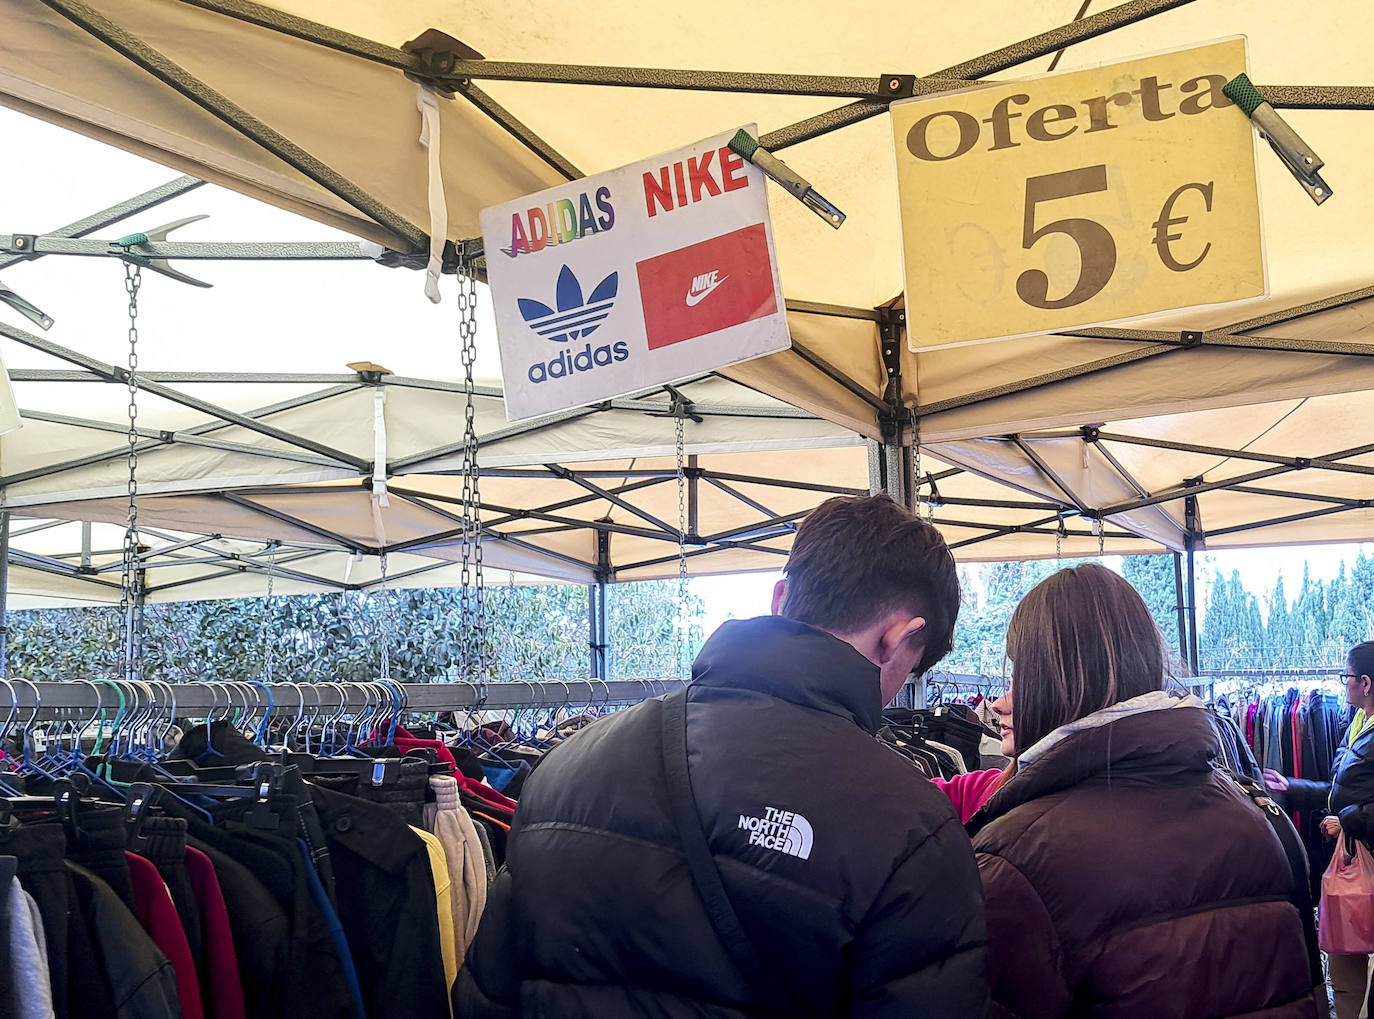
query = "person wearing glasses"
x=1348 y=800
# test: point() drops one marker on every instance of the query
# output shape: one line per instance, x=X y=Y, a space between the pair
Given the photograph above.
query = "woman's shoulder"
x=1206 y=843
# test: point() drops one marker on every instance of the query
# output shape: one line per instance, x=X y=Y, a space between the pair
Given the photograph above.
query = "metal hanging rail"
x=29 y=700
x=201 y=699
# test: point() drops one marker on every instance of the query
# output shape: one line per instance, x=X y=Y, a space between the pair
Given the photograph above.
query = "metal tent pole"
x=1192 y=610
x=4 y=592
x=889 y=471
x=1178 y=607
x=596 y=628
x=601 y=661
x=877 y=471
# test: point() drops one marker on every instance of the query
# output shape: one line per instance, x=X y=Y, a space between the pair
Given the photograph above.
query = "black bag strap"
x=1297 y=862
x=705 y=875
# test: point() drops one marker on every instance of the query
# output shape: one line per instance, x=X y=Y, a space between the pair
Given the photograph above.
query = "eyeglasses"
x=1348 y=676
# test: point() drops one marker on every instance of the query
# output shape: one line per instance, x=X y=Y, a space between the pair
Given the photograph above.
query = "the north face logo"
x=780 y=830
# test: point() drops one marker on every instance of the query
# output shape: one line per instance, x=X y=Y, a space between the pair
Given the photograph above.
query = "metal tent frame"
x=893 y=462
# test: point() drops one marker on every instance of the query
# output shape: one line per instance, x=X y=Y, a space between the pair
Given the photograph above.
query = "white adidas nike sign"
x=703 y=285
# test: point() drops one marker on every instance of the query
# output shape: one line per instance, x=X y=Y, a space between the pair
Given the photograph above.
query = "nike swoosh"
x=694 y=299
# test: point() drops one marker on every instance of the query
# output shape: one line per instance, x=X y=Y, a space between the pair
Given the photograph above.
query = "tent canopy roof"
x=1249 y=435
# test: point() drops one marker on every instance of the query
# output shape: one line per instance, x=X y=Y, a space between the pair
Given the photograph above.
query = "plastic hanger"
x=5 y=787
x=26 y=762
x=260 y=733
x=210 y=750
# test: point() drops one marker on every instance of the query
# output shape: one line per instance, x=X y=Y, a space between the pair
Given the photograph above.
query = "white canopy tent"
x=254 y=435
x=1214 y=427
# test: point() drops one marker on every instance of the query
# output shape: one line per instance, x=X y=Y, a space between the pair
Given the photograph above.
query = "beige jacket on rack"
x=467 y=867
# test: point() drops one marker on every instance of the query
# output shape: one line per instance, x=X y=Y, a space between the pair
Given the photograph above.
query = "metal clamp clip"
x=123 y=248
x=1303 y=163
x=30 y=311
x=748 y=146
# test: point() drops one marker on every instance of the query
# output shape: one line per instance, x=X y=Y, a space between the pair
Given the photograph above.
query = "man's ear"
x=895 y=639
x=779 y=595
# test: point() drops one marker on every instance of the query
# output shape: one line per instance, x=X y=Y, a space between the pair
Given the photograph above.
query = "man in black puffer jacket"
x=849 y=887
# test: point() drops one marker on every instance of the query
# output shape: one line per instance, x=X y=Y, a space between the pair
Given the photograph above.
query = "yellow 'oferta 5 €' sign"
x=1078 y=199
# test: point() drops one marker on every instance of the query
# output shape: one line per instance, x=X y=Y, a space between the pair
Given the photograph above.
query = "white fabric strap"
x=379 y=496
x=378 y=525
x=353 y=560
x=379 y=447
x=427 y=102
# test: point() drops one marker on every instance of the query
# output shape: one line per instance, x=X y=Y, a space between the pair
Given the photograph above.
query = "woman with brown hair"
x=1125 y=876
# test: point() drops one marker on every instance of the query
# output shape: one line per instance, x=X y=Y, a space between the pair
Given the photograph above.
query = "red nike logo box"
x=707 y=287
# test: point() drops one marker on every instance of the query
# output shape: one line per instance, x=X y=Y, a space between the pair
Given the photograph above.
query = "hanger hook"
x=314 y=715
x=295 y=725
x=337 y=716
x=37 y=700
x=149 y=713
x=171 y=713
x=14 y=709
x=214 y=686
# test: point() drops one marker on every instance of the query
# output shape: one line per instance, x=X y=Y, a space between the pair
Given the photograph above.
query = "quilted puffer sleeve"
x=1024 y=959
x=921 y=949
x=1304 y=794
x=488 y=985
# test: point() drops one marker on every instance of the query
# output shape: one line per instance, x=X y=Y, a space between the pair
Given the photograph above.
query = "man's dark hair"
x=857 y=558
x=1361 y=659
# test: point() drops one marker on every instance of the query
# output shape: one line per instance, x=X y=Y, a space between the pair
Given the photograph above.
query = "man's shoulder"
x=621 y=743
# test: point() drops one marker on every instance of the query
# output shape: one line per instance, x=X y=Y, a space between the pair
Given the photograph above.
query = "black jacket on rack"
x=878 y=913
x=1350 y=791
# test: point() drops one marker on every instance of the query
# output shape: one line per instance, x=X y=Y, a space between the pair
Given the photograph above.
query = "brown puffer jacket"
x=1126 y=877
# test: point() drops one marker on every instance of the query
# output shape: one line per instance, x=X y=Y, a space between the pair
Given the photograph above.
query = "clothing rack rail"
x=30 y=699
x=1325 y=671
x=913 y=694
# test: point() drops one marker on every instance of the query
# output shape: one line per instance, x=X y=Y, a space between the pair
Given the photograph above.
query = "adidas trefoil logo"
x=573 y=317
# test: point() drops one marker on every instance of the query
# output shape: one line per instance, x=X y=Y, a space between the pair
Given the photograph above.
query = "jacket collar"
x=1157 y=700
x=369 y=830
x=794 y=662
x=1144 y=747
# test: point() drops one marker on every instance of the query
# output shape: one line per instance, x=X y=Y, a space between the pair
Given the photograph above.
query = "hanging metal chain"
x=388 y=616
x=1100 y=531
x=474 y=641
x=130 y=599
x=684 y=666
x=264 y=637
x=916 y=472
x=1059 y=540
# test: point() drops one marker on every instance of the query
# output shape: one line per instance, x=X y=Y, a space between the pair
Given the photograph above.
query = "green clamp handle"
x=745 y=144
x=1241 y=91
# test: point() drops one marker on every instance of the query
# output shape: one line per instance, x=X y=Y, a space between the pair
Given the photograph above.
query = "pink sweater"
x=969 y=792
